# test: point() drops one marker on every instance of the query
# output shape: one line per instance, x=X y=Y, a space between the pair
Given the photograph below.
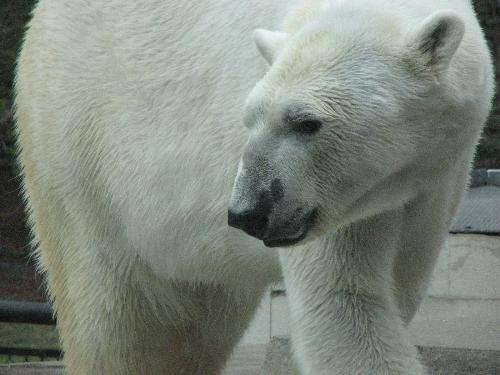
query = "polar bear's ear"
x=269 y=43
x=436 y=40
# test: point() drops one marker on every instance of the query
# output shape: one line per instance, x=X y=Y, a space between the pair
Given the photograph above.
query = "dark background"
x=18 y=279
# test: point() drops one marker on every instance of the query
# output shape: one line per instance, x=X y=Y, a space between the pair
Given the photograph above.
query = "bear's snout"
x=253 y=219
x=275 y=224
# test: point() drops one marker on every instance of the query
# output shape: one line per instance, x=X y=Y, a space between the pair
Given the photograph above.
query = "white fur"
x=129 y=116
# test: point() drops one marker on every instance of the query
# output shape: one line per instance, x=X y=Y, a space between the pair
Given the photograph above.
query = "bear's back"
x=129 y=114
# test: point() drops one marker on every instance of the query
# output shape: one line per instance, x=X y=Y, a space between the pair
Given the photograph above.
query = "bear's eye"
x=306 y=126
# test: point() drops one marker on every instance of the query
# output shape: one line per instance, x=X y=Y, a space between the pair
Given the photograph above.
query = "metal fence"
x=29 y=313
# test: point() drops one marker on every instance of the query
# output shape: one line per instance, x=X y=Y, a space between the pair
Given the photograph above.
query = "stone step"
x=478 y=212
x=457 y=323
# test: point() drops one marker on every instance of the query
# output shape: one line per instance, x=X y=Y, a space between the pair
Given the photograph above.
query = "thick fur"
x=129 y=116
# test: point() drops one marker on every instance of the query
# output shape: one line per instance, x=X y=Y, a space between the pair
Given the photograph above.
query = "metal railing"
x=26 y=312
x=29 y=313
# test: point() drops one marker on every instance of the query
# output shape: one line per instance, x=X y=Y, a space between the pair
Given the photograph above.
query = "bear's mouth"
x=284 y=241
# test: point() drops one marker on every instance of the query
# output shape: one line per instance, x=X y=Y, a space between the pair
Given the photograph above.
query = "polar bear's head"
x=335 y=125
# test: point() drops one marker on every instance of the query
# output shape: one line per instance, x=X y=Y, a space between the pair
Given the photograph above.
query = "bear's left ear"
x=269 y=43
x=436 y=39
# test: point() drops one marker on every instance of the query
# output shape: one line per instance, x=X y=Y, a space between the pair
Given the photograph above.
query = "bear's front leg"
x=344 y=317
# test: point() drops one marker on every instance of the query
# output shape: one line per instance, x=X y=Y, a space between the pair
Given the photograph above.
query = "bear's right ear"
x=269 y=43
x=436 y=39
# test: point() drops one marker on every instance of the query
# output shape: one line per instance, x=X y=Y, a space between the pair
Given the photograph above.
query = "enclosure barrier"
x=26 y=312
x=29 y=313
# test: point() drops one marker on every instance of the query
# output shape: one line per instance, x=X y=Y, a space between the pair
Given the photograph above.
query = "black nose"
x=253 y=222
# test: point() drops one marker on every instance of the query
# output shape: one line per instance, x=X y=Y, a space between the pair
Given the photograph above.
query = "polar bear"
x=361 y=123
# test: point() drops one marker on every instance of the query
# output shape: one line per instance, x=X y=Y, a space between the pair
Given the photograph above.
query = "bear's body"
x=129 y=116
